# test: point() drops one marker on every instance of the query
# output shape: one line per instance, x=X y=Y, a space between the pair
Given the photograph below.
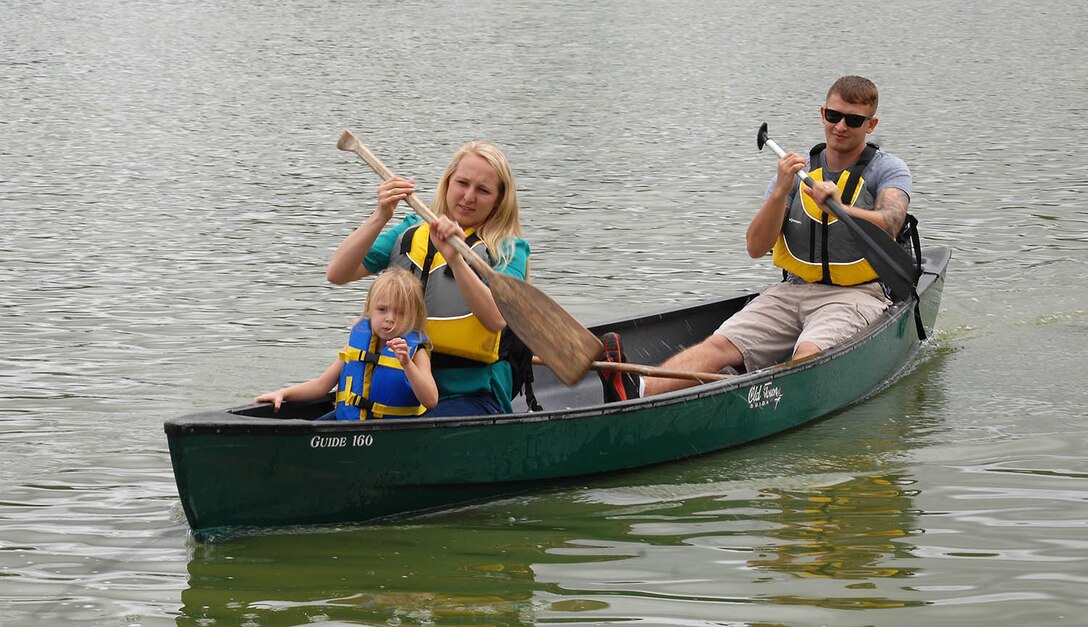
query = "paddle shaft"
x=651 y=371
x=902 y=283
x=348 y=141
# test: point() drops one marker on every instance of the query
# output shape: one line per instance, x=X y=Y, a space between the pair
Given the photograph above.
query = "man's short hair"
x=855 y=90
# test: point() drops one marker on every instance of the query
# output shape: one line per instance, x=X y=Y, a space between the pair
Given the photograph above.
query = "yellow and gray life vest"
x=452 y=328
x=372 y=382
x=817 y=247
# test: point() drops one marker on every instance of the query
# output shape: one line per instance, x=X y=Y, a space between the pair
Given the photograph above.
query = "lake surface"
x=170 y=192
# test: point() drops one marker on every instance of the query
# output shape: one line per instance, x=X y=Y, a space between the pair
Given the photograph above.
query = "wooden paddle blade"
x=561 y=342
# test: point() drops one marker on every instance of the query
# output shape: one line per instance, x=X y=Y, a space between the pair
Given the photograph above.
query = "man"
x=829 y=291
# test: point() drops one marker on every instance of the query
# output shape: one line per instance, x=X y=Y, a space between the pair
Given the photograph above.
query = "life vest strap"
x=370 y=409
x=408 y=239
x=349 y=355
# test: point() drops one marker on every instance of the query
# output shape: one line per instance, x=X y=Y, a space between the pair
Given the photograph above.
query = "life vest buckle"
x=361 y=402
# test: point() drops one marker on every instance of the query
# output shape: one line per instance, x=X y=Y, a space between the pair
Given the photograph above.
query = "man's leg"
x=805 y=349
x=710 y=355
x=834 y=313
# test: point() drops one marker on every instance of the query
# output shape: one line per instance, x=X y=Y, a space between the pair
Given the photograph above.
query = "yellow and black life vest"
x=817 y=247
x=452 y=328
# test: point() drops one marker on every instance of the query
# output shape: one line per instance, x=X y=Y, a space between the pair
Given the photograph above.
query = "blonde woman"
x=476 y=200
x=397 y=381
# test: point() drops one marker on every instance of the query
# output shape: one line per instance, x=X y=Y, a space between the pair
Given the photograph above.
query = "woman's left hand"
x=442 y=229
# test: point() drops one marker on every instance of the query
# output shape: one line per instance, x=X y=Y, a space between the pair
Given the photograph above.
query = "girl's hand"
x=276 y=398
x=391 y=192
x=400 y=349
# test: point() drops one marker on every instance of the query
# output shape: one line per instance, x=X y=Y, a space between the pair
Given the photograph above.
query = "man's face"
x=840 y=136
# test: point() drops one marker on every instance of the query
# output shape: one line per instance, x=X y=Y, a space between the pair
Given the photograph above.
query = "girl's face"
x=473 y=192
x=385 y=317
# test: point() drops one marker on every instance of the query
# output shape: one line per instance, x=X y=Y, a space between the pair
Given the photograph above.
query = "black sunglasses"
x=853 y=120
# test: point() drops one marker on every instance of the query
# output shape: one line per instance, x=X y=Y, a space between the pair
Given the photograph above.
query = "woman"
x=476 y=200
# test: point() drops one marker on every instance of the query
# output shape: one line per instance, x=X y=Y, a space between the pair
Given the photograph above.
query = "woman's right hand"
x=391 y=192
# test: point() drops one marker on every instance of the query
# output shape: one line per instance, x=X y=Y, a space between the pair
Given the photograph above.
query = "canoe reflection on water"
x=530 y=559
x=248 y=468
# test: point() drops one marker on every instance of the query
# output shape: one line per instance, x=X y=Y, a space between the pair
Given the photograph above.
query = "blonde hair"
x=504 y=223
x=405 y=292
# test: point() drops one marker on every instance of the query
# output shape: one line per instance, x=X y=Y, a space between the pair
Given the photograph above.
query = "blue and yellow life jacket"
x=372 y=382
x=453 y=330
x=818 y=247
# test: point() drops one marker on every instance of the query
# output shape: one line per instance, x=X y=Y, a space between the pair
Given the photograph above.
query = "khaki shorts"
x=768 y=329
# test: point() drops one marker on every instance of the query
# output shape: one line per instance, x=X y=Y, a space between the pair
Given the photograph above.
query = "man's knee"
x=805 y=349
x=726 y=351
x=710 y=355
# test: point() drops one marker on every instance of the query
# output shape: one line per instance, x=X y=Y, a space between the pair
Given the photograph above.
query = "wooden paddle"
x=652 y=371
x=890 y=261
x=566 y=346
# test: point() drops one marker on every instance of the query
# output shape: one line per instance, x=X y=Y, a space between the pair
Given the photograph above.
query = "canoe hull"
x=243 y=468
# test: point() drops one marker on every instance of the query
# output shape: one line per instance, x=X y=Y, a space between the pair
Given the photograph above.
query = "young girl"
x=381 y=372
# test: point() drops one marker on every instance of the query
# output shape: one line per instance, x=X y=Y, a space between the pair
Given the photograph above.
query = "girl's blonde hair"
x=504 y=223
x=404 y=291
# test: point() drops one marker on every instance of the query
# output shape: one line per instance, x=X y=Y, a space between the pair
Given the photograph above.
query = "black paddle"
x=890 y=261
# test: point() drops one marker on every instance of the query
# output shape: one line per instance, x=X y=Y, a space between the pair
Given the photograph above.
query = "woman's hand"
x=441 y=230
x=391 y=192
x=476 y=293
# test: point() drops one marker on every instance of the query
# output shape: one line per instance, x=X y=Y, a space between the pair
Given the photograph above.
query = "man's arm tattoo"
x=892 y=205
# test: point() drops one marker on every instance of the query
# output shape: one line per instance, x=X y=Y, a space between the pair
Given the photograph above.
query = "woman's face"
x=473 y=192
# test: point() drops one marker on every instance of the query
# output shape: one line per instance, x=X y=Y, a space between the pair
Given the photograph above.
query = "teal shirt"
x=496 y=378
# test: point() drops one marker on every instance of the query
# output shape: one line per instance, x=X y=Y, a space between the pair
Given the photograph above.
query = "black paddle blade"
x=761 y=136
x=892 y=263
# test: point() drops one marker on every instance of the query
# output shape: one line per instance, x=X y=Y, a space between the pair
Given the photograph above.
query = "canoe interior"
x=649 y=339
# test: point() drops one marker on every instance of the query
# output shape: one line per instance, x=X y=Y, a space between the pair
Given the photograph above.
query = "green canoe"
x=248 y=468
